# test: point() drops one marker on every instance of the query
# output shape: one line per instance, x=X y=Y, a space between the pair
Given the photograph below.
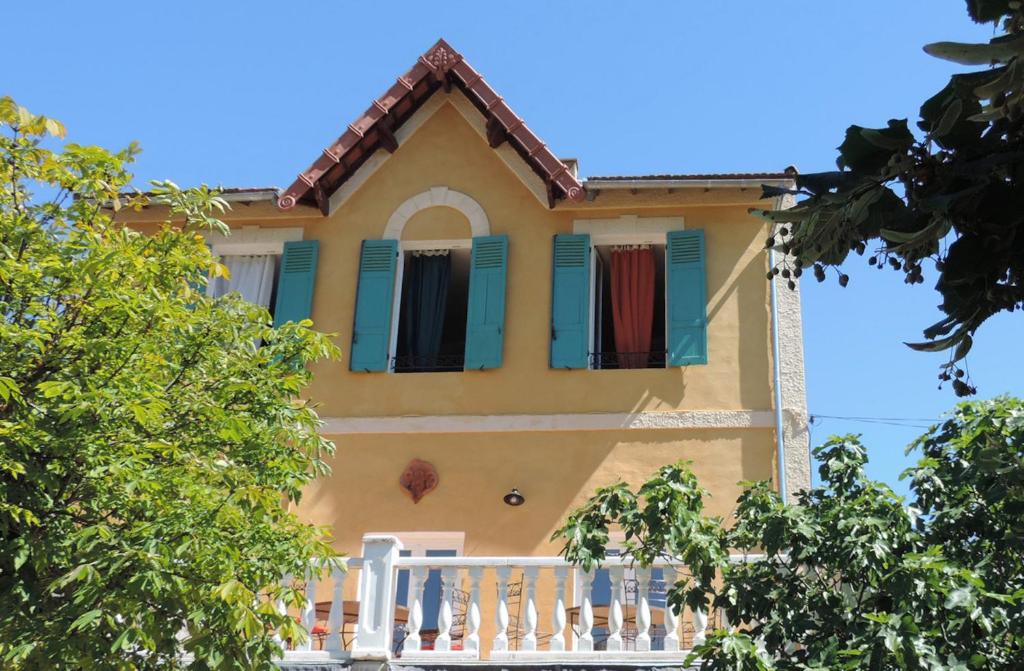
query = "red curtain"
x=633 y=305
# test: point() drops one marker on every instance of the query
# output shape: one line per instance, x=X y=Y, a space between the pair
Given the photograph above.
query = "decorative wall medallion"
x=419 y=478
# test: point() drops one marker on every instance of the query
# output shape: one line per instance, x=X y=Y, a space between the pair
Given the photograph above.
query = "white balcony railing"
x=555 y=619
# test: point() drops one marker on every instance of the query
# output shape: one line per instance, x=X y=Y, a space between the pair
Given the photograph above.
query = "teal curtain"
x=424 y=303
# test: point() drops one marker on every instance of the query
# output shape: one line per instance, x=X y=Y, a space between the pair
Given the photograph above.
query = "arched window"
x=431 y=294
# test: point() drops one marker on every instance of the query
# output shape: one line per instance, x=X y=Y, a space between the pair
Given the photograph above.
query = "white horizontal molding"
x=600 y=421
x=252 y=240
x=414 y=245
x=629 y=229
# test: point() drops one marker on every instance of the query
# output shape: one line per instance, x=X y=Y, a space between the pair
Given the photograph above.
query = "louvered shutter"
x=687 y=298
x=295 y=280
x=570 y=301
x=371 y=333
x=485 y=321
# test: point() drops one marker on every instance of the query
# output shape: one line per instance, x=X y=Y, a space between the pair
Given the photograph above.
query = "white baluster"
x=308 y=616
x=417 y=576
x=281 y=609
x=472 y=629
x=530 y=587
x=443 y=643
x=336 y=618
x=700 y=626
x=557 y=643
x=585 y=642
x=501 y=612
x=671 y=625
x=643 y=610
x=615 y=609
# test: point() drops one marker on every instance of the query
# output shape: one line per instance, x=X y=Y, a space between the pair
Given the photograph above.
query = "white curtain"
x=251 y=276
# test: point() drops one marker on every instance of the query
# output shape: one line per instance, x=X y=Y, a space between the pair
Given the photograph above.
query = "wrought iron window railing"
x=432 y=363
x=615 y=360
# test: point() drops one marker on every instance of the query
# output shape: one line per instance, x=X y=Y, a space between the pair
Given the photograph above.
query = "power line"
x=886 y=419
x=905 y=422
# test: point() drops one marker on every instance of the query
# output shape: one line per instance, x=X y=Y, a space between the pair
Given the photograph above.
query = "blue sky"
x=246 y=94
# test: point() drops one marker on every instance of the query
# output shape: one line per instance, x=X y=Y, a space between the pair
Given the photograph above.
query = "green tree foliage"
x=148 y=443
x=848 y=577
x=950 y=195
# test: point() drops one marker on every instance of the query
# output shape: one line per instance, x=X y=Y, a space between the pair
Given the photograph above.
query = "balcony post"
x=615 y=618
x=501 y=612
x=308 y=615
x=643 y=610
x=336 y=617
x=472 y=635
x=377 y=597
x=671 y=642
x=443 y=642
x=412 y=639
x=530 y=587
x=585 y=641
x=700 y=626
x=557 y=643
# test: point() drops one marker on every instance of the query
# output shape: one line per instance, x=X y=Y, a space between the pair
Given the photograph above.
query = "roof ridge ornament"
x=441 y=58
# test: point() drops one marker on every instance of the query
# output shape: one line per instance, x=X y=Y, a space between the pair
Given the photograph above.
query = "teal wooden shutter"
x=295 y=280
x=570 y=301
x=485 y=322
x=371 y=333
x=686 y=294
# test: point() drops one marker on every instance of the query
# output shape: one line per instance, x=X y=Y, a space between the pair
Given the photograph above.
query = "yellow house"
x=514 y=337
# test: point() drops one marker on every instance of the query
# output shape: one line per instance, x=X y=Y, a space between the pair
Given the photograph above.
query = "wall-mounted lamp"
x=514 y=498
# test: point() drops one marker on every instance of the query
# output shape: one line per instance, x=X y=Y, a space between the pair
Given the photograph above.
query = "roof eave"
x=599 y=184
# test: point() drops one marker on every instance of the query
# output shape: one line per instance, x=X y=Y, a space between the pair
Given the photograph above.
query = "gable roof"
x=440 y=67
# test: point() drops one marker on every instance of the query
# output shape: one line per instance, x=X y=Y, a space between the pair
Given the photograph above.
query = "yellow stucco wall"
x=437 y=223
x=555 y=470
x=446 y=151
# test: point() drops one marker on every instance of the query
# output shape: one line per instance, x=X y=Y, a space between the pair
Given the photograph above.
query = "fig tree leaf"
x=869 y=149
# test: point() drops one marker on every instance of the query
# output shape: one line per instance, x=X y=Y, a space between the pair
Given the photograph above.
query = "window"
x=628 y=300
x=253 y=276
x=430 y=306
x=628 y=303
x=273 y=268
x=434 y=299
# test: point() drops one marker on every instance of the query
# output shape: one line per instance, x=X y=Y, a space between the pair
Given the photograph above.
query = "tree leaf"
x=996 y=51
x=937 y=345
x=85 y=620
x=949 y=118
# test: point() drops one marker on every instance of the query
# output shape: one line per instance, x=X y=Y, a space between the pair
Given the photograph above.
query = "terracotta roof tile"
x=441 y=66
